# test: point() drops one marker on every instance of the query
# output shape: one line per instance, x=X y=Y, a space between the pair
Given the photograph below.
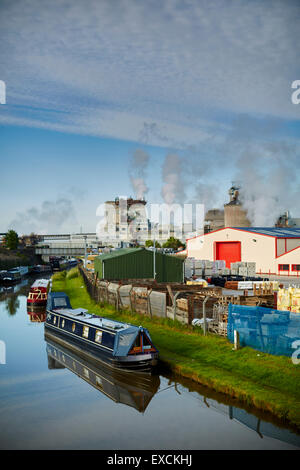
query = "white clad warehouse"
x=274 y=250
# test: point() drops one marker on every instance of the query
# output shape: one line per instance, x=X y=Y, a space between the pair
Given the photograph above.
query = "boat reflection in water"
x=131 y=389
x=37 y=316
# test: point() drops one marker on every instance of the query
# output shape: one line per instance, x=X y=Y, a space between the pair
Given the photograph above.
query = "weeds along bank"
x=269 y=383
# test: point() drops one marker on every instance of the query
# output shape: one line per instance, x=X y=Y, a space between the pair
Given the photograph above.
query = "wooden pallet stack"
x=220 y=318
x=232 y=285
x=139 y=299
x=266 y=300
x=261 y=289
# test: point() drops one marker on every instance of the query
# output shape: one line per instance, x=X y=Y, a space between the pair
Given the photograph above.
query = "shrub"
x=60 y=276
x=72 y=273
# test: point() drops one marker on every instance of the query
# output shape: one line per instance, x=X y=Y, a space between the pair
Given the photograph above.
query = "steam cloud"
x=253 y=154
x=50 y=217
x=137 y=171
x=173 y=184
x=268 y=180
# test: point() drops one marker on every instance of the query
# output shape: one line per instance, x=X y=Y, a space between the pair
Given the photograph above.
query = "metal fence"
x=174 y=301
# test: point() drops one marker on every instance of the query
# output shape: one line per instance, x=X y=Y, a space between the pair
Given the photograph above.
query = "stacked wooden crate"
x=220 y=317
x=232 y=285
x=263 y=288
x=139 y=299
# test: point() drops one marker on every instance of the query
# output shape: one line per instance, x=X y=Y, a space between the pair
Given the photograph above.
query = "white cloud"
x=50 y=216
x=164 y=70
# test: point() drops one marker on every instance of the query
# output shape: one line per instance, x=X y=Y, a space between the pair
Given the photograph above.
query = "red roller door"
x=228 y=251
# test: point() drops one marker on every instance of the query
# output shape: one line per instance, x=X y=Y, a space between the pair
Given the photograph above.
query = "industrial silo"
x=234 y=214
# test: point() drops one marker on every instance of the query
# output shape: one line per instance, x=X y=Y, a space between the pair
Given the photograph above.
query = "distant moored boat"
x=38 y=294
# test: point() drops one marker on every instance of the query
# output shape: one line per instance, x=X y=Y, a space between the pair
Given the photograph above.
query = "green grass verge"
x=269 y=383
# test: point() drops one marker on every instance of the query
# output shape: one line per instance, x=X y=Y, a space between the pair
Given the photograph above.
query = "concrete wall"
x=235 y=216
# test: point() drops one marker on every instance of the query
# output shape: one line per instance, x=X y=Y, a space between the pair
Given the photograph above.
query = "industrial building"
x=139 y=263
x=233 y=215
x=276 y=251
x=67 y=245
x=125 y=219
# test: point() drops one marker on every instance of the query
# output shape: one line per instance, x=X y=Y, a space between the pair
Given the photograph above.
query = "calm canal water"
x=52 y=399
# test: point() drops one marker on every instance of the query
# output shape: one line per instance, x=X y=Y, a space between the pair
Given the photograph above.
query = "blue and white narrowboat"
x=119 y=345
x=14 y=275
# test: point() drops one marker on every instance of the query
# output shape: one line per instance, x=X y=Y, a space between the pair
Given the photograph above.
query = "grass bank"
x=269 y=383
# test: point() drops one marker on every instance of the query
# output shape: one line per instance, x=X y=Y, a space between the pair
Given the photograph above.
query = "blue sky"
x=203 y=89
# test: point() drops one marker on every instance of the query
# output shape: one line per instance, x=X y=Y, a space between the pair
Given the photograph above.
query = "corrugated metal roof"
x=273 y=231
x=121 y=252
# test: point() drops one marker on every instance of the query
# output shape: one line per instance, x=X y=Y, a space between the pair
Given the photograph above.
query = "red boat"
x=38 y=294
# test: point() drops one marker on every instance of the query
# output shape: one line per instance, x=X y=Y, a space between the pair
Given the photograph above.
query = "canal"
x=52 y=399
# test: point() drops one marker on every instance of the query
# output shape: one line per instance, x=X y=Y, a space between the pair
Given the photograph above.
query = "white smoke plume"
x=173 y=181
x=137 y=172
x=269 y=182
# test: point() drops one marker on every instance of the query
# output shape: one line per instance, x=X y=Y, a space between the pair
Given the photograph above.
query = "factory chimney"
x=234 y=214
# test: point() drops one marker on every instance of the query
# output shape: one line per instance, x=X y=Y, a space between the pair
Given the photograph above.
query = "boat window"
x=54 y=320
x=85 y=332
x=63 y=323
x=99 y=382
x=73 y=327
x=108 y=340
x=60 y=302
x=146 y=342
x=86 y=372
x=98 y=336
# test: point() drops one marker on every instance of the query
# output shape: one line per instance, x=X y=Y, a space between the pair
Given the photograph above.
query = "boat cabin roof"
x=59 y=302
x=93 y=320
x=41 y=283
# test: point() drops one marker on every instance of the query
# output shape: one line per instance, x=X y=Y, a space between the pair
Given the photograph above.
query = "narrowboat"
x=14 y=275
x=72 y=263
x=58 y=264
x=41 y=268
x=23 y=270
x=118 y=345
x=3 y=273
x=134 y=390
x=38 y=294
